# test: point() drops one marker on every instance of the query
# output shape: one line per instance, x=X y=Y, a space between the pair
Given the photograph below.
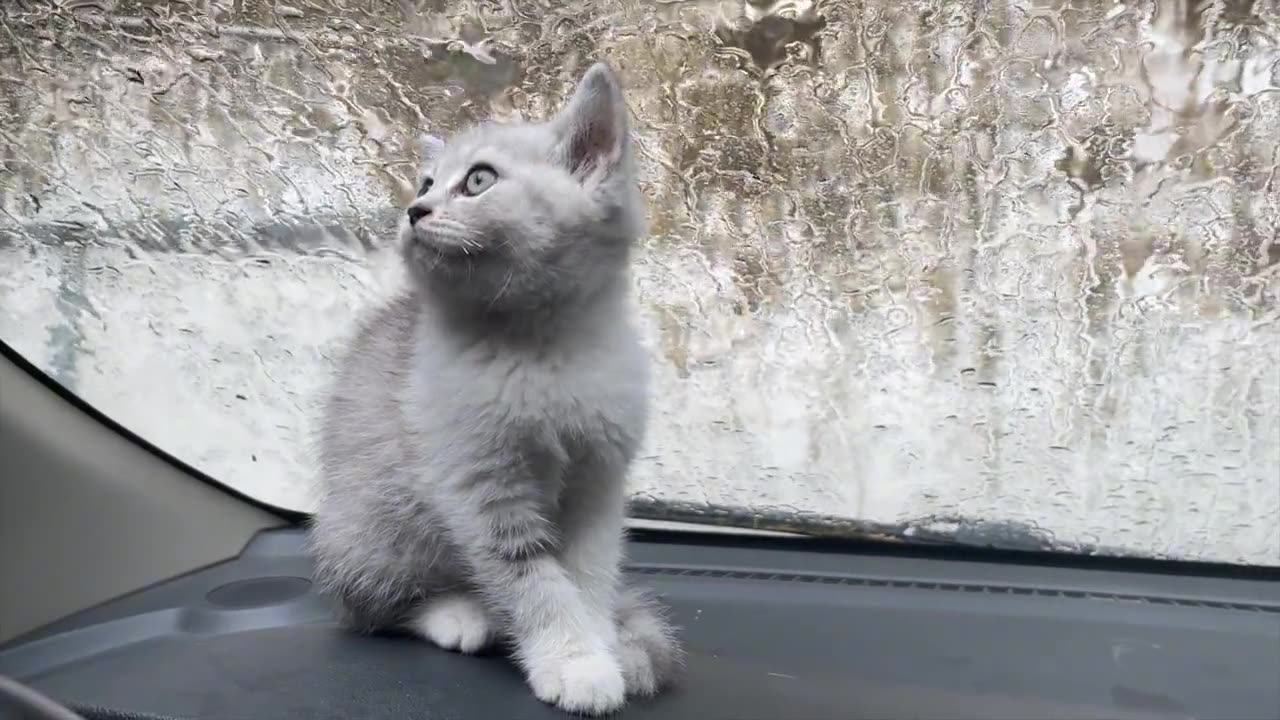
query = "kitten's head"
x=516 y=216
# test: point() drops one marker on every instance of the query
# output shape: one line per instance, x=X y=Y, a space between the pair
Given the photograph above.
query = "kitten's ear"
x=593 y=124
x=428 y=146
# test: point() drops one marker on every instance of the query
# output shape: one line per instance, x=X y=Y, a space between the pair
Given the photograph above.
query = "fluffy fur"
x=474 y=446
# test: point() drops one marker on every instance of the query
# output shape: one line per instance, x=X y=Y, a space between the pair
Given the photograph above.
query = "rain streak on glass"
x=1001 y=271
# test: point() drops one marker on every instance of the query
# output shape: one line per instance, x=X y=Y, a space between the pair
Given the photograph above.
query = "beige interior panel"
x=86 y=515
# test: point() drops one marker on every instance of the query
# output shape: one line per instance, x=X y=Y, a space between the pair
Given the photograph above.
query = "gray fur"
x=475 y=443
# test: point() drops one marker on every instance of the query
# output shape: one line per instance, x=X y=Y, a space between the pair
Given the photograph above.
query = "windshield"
x=1002 y=273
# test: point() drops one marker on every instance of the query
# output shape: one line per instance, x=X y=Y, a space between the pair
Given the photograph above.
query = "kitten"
x=474 y=448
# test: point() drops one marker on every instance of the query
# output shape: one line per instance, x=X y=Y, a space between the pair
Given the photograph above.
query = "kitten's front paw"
x=454 y=622
x=589 y=684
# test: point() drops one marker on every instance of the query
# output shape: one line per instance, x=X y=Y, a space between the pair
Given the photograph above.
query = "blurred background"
x=999 y=271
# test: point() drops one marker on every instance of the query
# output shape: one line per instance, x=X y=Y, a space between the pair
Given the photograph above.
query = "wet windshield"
x=1002 y=273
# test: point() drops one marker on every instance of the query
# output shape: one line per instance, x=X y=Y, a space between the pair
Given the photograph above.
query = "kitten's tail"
x=643 y=623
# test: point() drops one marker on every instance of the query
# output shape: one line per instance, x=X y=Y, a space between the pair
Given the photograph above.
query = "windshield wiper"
x=925 y=530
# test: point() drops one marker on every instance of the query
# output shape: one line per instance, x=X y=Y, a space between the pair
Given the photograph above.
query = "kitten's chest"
x=593 y=395
x=585 y=396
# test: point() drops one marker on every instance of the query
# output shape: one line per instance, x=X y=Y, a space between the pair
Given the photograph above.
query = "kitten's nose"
x=416 y=213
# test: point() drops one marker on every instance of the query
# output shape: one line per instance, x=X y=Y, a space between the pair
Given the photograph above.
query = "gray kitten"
x=474 y=448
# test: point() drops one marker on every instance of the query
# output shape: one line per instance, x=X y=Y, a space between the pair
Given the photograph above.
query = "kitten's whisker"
x=506 y=284
x=458 y=234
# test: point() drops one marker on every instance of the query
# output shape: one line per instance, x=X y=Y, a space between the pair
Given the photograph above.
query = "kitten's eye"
x=481 y=178
x=427 y=182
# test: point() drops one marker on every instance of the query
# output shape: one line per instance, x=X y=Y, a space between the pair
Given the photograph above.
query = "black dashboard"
x=775 y=628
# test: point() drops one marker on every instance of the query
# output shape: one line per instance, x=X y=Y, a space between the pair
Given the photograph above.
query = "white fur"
x=590 y=684
x=454 y=621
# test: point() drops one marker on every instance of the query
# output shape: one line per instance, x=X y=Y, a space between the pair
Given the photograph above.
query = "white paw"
x=454 y=622
x=589 y=684
x=637 y=669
